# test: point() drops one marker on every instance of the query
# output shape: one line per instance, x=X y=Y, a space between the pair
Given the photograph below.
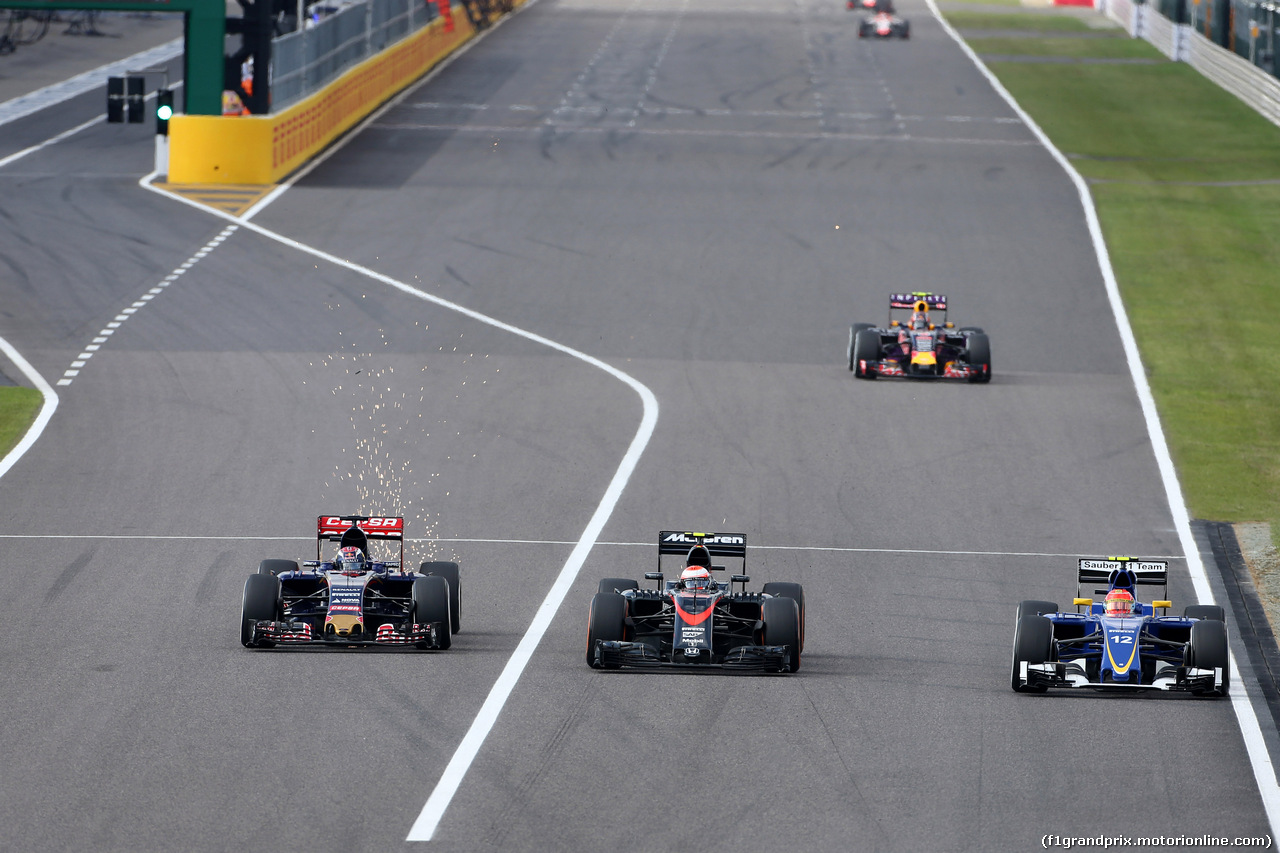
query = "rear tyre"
x=1033 y=643
x=616 y=585
x=1208 y=650
x=431 y=604
x=853 y=336
x=866 y=347
x=906 y=31
x=449 y=571
x=1211 y=612
x=1035 y=608
x=789 y=590
x=605 y=621
x=277 y=567
x=978 y=354
x=261 y=601
x=781 y=618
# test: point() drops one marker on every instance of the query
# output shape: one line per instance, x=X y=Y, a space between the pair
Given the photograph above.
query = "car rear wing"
x=1122 y=572
x=908 y=301
x=357 y=530
x=717 y=544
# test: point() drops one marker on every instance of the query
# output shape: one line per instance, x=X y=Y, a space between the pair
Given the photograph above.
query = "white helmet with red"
x=696 y=577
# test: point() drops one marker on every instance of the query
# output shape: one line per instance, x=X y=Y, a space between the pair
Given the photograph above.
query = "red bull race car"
x=1120 y=643
x=693 y=620
x=355 y=597
x=919 y=343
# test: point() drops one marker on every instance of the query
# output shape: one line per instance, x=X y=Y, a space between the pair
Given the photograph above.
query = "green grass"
x=1196 y=263
x=1121 y=47
x=1015 y=21
x=18 y=409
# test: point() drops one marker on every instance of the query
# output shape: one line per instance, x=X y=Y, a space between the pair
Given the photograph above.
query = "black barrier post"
x=115 y=100
x=135 y=98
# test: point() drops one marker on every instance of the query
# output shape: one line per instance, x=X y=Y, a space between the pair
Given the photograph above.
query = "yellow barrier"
x=264 y=149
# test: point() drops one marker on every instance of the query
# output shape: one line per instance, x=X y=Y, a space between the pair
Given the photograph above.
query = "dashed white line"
x=81 y=361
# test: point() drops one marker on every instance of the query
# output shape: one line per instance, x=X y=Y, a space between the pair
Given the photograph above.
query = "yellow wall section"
x=264 y=149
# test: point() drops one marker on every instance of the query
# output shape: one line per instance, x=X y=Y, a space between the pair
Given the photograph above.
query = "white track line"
x=49 y=406
x=831 y=549
x=1263 y=769
x=428 y=819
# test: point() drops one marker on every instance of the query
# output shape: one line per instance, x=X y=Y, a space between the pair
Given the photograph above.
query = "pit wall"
x=264 y=149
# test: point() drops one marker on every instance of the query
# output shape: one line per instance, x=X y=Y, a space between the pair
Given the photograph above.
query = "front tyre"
x=261 y=602
x=853 y=337
x=795 y=592
x=1032 y=644
x=978 y=354
x=866 y=348
x=277 y=567
x=449 y=571
x=1211 y=612
x=616 y=585
x=606 y=621
x=781 y=617
x=1207 y=649
x=431 y=604
x=1035 y=608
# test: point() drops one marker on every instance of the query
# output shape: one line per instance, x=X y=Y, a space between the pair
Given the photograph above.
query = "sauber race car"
x=693 y=620
x=354 y=598
x=921 y=345
x=883 y=22
x=1120 y=643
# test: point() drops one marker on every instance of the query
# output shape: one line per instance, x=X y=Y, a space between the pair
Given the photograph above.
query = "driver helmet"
x=919 y=321
x=696 y=577
x=1119 y=602
x=351 y=560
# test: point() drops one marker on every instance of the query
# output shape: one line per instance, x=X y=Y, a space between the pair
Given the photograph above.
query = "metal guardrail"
x=1180 y=42
x=306 y=61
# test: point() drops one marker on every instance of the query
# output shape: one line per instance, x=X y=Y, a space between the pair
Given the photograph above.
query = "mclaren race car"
x=693 y=620
x=883 y=22
x=355 y=597
x=919 y=343
x=1120 y=643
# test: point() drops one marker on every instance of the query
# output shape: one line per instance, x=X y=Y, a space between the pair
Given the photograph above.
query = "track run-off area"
x=591 y=279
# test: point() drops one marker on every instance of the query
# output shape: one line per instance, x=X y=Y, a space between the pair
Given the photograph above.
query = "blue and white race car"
x=1120 y=643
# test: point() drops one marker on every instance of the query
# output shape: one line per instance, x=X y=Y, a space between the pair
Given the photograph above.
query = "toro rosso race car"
x=693 y=620
x=883 y=23
x=919 y=343
x=354 y=598
x=1120 y=643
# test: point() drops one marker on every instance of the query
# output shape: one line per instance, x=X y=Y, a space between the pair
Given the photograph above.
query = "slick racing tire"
x=789 y=590
x=605 y=621
x=1207 y=649
x=977 y=329
x=978 y=353
x=781 y=618
x=616 y=585
x=431 y=604
x=905 y=31
x=449 y=571
x=1035 y=608
x=1033 y=643
x=1204 y=611
x=261 y=601
x=277 y=567
x=866 y=347
x=853 y=337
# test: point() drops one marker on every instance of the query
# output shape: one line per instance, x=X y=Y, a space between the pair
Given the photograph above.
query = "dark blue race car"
x=1120 y=643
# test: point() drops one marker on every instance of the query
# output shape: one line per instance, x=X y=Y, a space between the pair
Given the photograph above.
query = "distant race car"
x=918 y=346
x=352 y=598
x=1103 y=647
x=883 y=22
x=693 y=620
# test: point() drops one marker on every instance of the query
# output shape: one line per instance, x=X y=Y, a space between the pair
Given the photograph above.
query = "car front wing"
x=614 y=654
x=298 y=633
x=1065 y=674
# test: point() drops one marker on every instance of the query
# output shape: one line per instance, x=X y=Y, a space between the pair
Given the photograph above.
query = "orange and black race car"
x=919 y=343
x=692 y=620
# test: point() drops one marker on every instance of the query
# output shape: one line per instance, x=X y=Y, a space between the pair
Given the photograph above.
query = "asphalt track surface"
x=704 y=196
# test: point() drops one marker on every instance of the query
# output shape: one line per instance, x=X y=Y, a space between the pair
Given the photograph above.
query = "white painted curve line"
x=103 y=336
x=47 y=409
x=1263 y=769
x=425 y=825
